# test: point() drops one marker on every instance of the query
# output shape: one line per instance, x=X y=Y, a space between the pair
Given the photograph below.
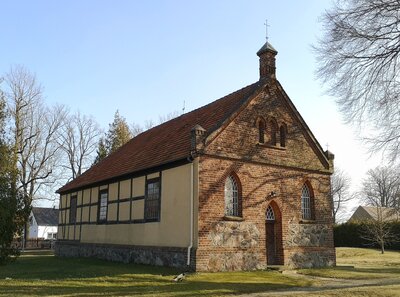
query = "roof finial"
x=266 y=29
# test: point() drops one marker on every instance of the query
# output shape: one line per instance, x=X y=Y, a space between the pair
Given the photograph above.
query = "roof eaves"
x=223 y=123
x=306 y=128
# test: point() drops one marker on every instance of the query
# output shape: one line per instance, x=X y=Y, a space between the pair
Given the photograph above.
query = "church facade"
x=238 y=184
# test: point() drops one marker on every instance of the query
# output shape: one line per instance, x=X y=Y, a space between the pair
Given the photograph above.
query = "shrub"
x=350 y=234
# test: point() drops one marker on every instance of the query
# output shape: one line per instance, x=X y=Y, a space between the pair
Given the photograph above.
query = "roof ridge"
x=163 y=143
x=148 y=131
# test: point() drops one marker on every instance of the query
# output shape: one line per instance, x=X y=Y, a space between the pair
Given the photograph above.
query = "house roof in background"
x=373 y=212
x=45 y=216
x=164 y=143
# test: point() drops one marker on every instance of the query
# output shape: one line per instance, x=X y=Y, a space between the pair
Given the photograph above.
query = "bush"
x=350 y=234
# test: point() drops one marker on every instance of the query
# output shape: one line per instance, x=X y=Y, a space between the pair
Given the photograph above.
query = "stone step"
x=279 y=268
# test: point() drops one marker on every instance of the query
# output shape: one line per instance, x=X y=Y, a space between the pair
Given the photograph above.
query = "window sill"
x=233 y=218
x=303 y=221
x=275 y=147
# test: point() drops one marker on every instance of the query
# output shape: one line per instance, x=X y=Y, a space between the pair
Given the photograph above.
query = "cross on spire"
x=266 y=29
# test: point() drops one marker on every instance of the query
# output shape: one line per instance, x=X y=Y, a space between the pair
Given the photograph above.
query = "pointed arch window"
x=232 y=197
x=270 y=216
x=274 y=131
x=306 y=203
x=261 y=131
x=282 y=134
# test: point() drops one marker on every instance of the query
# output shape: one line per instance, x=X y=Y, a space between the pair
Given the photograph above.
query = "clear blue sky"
x=146 y=57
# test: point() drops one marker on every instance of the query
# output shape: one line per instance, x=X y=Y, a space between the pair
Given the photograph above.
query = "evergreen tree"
x=117 y=135
x=101 y=151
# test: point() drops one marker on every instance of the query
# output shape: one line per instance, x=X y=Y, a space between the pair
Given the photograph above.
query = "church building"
x=238 y=184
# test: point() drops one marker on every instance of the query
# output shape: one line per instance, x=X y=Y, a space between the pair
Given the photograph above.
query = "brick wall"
x=240 y=243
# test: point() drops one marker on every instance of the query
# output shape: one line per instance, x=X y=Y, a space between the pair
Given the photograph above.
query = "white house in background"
x=43 y=223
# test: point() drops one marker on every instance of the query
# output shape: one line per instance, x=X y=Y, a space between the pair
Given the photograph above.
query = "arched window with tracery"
x=232 y=197
x=306 y=203
x=282 y=134
x=270 y=215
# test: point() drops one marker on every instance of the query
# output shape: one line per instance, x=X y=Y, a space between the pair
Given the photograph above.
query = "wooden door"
x=271 y=244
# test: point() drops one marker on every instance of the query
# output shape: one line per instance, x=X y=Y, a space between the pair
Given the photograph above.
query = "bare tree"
x=168 y=116
x=135 y=129
x=340 y=192
x=35 y=131
x=381 y=187
x=358 y=58
x=78 y=140
x=378 y=231
x=148 y=124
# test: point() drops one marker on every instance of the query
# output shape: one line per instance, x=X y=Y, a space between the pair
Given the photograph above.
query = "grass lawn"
x=46 y=275
x=356 y=263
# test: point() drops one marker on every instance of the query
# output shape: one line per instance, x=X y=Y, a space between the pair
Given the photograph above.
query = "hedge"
x=350 y=235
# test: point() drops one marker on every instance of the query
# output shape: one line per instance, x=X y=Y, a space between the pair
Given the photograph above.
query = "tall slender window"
x=231 y=197
x=103 y=203
x=261 y=131
x=72 y=210
x=306 y=203
x=282 y=134
x=274 y=131
x=152 y=202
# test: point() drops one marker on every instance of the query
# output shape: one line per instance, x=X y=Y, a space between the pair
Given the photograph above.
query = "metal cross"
x=266 y=29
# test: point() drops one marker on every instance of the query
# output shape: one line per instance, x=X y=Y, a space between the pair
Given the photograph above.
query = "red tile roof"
x=162 y=144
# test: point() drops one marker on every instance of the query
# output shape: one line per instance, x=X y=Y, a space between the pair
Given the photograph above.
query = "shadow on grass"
x=354 y=273
x=47 y=275
x=189 y=288
x=53 y=268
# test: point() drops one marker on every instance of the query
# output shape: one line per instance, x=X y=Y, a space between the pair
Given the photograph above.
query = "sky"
x=151 y=58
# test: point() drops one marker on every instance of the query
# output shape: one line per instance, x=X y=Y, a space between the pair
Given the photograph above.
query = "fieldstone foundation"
x=304 y=235
x=312 y=259
x=158 y=256
x=234 y=234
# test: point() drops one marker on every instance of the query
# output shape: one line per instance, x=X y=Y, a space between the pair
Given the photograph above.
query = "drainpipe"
x=191 y=210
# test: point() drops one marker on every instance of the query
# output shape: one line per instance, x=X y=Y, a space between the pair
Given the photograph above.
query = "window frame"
x=282 y=136
x=261 y=131
x=148 y=201
x=307 y=203
x=236 y=188
x=73 y=209
x=100 y=207
x=274 y=131
x=270 y=214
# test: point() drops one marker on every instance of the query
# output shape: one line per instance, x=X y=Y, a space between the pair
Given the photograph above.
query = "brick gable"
x=238 y=137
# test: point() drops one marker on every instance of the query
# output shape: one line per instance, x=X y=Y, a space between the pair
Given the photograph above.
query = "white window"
x=231 y=197
x=51 y=235
x=305 y=203
x=103 y=202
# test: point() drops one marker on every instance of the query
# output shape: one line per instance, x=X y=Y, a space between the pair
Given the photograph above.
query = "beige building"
x=238 y=184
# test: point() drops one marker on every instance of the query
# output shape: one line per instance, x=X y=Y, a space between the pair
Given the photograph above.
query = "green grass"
x=47 y=275
x=357 y=263
x=42 y=274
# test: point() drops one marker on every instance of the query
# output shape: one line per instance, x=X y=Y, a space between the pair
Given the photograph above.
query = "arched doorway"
x=273 y=230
